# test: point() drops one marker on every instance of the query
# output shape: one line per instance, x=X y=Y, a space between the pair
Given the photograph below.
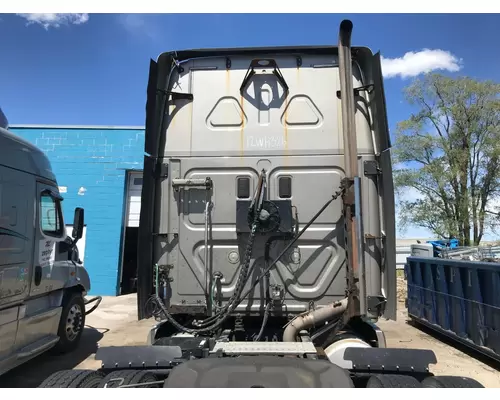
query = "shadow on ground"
x=35 y=371
x=466 y=350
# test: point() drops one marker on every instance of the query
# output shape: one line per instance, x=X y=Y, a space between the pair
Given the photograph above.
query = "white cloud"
x=55 y=20
x=139 y=24
x=133 y=21
x=416 y=63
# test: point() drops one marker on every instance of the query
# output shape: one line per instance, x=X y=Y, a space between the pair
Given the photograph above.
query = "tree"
x=448 y=153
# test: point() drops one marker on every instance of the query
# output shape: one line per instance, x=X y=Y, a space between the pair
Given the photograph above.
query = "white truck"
x=42 y=280
x=267 y=233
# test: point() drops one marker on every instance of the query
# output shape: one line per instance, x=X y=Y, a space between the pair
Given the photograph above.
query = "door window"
x=50 y=215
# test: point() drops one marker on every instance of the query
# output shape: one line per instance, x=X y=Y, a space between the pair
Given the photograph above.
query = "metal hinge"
x=375 y=303
x=176 y=95
x=161 y=171
x=372 y=168
x=366 y=88
x=370 y=236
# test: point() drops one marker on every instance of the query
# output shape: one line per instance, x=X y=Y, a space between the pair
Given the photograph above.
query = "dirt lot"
x=114 y=323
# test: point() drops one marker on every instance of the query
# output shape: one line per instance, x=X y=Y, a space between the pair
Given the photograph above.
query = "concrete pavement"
x=115 y=323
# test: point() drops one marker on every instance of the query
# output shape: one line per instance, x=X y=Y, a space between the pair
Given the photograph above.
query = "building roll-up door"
x=134 y=187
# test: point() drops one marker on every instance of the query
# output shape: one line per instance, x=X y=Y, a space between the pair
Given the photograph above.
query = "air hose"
x=216 y=320
x=264 y=322
x=222 y=314
x=256 y=206
x=234 y=304
x=226 y=311
x=292 y=242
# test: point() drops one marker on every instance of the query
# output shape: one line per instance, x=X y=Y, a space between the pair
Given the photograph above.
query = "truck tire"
x=448 y=382
x=393 y=381
x=73 y=379
x=71 y=324
x=127 y=377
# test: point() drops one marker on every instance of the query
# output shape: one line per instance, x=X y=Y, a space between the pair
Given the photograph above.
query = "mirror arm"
x=74 y=242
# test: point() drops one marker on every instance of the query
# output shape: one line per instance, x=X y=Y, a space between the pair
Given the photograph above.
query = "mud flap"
x=388 y=360
x=120 y=357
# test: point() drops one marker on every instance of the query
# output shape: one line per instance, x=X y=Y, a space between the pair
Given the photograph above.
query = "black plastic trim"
x=181 y=55
x=243 y=187
x=120 y=357
x=285 y=187
x=390 y=359
x=151 y=139
x=145 y=239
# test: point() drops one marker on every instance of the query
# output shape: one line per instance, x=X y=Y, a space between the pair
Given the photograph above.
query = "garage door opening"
x=129 y=264
x=128 y=282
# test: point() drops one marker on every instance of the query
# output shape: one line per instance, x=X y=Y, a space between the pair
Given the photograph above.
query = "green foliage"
x=448 y=153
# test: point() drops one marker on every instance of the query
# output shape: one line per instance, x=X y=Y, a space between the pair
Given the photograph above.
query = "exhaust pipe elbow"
x=345 y=32
x=312 y=318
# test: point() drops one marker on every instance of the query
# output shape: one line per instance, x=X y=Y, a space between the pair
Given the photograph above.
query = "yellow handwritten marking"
x=242 y=130
x=285 y=131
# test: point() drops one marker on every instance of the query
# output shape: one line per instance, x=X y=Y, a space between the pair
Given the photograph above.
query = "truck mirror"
x=78 y=222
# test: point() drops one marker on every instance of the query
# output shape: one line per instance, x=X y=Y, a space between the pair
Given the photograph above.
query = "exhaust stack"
x=351 y=183
x=347 y=100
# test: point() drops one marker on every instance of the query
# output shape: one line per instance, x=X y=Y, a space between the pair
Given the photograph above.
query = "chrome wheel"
x=74 y=322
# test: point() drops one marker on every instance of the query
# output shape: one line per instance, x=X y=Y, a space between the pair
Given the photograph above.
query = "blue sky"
x=92 y=68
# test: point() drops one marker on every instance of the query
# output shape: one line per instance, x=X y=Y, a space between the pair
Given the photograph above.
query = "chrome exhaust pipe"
x=313 y=318
x=354 y=242
x=347 y=100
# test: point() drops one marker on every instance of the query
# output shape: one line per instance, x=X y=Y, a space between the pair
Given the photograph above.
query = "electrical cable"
x=236 y=298
x=235 y=304
x=244 y=275
x=264 y=322
x=215 y=321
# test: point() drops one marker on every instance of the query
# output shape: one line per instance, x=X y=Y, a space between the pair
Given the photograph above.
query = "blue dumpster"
x=458 y=298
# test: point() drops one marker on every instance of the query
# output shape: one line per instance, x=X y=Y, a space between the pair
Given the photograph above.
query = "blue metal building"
x=99 y=169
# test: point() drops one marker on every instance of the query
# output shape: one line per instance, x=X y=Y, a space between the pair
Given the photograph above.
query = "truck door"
x=49 y=229
x=16 y=251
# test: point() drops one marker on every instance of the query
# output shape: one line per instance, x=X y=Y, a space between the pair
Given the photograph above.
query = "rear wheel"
x=121 y=378
x=393 y=381
x=448 y=382
x=73 y=379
